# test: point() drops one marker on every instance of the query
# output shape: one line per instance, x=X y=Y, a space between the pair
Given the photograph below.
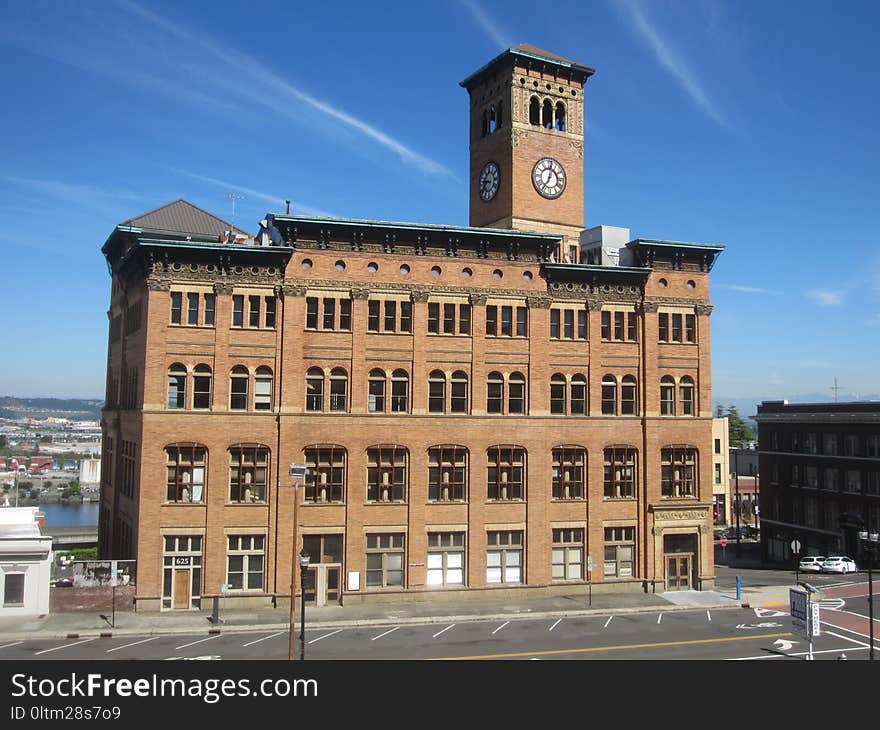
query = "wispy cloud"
x=84 y=195
x=234 y=187
x=671 y=59
x=746 y=289
x=826 y=297
x=499 y=38
x=258 y=82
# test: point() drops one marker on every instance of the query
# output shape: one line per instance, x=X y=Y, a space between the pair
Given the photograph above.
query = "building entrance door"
x=324 y=584
x=181 y=588
x=678 y=572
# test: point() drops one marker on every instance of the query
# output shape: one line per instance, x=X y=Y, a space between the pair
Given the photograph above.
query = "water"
x=71 y=515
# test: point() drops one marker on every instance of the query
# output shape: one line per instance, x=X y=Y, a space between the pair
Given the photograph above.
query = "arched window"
x=238 y=388
x=560 y=116
x=678 y=471
x=535 y=111
x=447 y=473
x=667 y=396
x=459 y=388
x=325 y=473
x=609 y=395
x=315 y=390
x=500 y=114
x=506 y=476
x=495 y=393
x=493 y=120
x=399 y=391
x=516 y=394
x=686 y=394
x=376 y=395
x=484 y=123
x=629 y=396
x=569 y=472
x=437 y=392
x=201 y=386
x=185 y=472
x=578 y=395
x=338 y=389
x=248 y=473
x=620 y=472
x=558 y=386
x=547 y=114
x=177 y=386
x=263 y=390
x=386 y=474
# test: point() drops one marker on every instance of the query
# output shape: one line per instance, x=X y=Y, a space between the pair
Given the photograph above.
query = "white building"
x=25 y=563
x=90 y=471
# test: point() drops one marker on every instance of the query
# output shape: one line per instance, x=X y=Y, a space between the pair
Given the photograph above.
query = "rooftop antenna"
x=234 y=197
x=835 y=388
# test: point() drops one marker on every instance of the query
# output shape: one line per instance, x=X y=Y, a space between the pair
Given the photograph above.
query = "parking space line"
x=324 y=636
x=555 y=625
x=385 y=634
x=608 y=622
x=659 y=618
x=14 y=643
x=193 y=643
x=708 y=615
x=500 y=627
x=135 y=643
x=442 y=631
x=257 y=641
x=46 y=651
x=849 y=638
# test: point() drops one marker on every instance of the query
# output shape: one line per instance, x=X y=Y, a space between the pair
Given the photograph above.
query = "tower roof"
x=532 y=56
x=182 y=216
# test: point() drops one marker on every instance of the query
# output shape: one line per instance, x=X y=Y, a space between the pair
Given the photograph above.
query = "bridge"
x=72 y=537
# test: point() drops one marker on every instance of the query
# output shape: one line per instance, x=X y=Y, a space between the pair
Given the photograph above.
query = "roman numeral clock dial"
x=489 y=181
x=548 y=177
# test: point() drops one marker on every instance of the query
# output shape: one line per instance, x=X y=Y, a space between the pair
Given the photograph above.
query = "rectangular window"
x=385 y=560
x=312 y=313
x=386 y=474
x=569 y=473
x=373 y=315
x=504 y=557
x=185 y=473
x=238 y=310
x=445 y=559
x=631 y=326
x=253 y=311
x=464 y=319
x=323 y=548
x=506 y=474
x=581 y=324
x=448 y=319
x=406 y=316
x=434 y=318
x=619 y=326
x=853 y=481
x=522 y=322
x=447 y=474
x=192 y=308
x=507 y=321
x=13 y=589
x=851 y=445
x=620 y=473
x=270 y=312
x=678 y=472
x=568 y=324
x=606 y=325
x=248 y=474
x=663 y=324
x=811 y=477
x=390 y=315
x=830 y=478
x=329 y=319
x=718 y=473
x=491 y=320
x=325 y=470
x=210 y=304
x=872 y=445
x=345 y=315
x=829 y=444
x=568 y=554
x=717 y=446
x=620 y=549
x=676 y=328
x=176 y=306
x=244 y=562
x=690 y=328
x=554 y=324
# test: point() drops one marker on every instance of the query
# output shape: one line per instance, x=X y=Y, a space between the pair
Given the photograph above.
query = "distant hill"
x=76 y=409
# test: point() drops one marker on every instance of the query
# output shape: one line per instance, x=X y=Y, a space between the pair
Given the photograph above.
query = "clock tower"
x=527 y=144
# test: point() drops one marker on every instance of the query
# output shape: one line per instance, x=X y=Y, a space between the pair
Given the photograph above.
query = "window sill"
x=448 y=334
x=565 y=500
x=183 y=504
x=317 y=329
x=385 y=502
x=327 y=503
x=685 y=497
x=505 y=501
x=252 y=329
x=619 y=499
x=192 y=326
x=446 y=501
x=254 y=503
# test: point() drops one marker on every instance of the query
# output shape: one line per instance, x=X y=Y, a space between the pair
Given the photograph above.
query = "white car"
x=811 y=564
x=839 y=564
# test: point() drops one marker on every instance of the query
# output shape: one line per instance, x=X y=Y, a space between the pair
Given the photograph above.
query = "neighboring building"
x=474 y=415
x=818 y=462
x=39 y=464
x=720 y=471
x=90 y=471
x=25 y=563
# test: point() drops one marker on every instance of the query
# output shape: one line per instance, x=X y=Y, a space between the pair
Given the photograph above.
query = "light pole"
x=297 y=474
x=870 y=544
x=738 y=504
x=303 y=571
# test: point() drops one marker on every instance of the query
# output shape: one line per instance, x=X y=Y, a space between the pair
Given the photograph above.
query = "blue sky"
x=751 y=124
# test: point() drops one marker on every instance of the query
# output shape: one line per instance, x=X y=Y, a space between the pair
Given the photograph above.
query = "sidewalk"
x=89 y=624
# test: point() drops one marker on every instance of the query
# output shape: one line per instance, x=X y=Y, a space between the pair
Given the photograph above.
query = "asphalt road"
x=727 y=634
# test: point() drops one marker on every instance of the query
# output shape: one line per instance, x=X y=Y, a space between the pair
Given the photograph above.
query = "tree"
x=3 y=442
x=739 y=432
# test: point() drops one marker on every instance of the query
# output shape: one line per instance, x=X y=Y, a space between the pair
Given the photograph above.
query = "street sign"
x=814 y=619
x=297 y=471
x=589 y=563
x=796 y=547
x=798 y=607
x=724 y=541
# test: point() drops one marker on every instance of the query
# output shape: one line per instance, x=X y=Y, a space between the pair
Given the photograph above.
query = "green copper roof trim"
x=678 y=244
x=586 y=70
x=599 y=269
x=202 y=245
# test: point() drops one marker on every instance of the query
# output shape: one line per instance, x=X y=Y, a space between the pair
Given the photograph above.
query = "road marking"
x=500 y=627
x=271 y=636
x=708 y=615
x=793 y=654
x=442 y=630
x=46 y=651
x=14 y=643
x=832 y=604
x=608 y=622
x=768 y=613
x=659 y=618
x=623 y=647
x=142 y=641
x=555 y=625
x=385 y=634
x=193 y=643
x=785 y=644
x=848 y=638
x=324 y=636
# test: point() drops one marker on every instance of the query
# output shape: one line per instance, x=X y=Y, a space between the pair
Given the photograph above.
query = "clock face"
x=489 y=181
x=548 y=177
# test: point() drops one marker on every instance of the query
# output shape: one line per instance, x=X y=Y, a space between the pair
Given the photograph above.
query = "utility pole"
x=835 y=388
x=234 y=197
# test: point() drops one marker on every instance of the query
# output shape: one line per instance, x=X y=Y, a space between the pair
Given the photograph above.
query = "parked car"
x=811 y=564
x=64 y=583
x=839 y=564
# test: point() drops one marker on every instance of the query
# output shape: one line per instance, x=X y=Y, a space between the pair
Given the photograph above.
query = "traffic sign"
x=724 y=541
x=796 y=547
x=799 y=609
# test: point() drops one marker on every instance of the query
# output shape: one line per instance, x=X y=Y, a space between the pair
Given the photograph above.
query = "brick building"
x=818 y=463
x=476 y=411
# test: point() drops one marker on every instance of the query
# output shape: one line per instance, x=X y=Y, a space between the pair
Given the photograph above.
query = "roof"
x=527 y=51
x=528 y=48
x=181 y=215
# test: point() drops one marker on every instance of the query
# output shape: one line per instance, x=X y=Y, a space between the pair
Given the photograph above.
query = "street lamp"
x=303 y=571
x=297 y=474
x=870 y=544
x=738 y=504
